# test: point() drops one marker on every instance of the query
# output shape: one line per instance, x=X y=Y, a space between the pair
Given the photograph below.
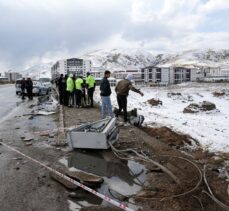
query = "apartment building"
x=12 y=76
x=121 y=74
x=78 y=67
x=164 y=75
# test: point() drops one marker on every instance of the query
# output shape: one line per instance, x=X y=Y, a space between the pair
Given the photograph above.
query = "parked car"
x=46 y=82
x=38 y=87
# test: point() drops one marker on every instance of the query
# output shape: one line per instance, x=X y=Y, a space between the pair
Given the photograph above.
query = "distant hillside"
x=122 y=59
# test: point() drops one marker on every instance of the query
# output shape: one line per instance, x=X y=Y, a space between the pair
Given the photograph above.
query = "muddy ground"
x=164 y=141
x=27 y=186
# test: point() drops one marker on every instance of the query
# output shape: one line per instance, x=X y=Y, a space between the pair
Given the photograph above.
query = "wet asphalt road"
x=8 y=99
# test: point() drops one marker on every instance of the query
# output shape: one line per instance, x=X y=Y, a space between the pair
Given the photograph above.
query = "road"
x=8 y=99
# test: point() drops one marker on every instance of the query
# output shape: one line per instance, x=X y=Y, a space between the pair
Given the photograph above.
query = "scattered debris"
x=76 y=195
x=30 y=118
x=28 y=139
x=17 y=158
x=28 y=143
x=146 y=194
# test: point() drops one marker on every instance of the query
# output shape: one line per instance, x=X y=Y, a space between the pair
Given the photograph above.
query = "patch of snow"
x=209 y=128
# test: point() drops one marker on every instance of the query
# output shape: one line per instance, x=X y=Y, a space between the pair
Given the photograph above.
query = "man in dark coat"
x=23 y=86
x=29 y=88
x=62 y=88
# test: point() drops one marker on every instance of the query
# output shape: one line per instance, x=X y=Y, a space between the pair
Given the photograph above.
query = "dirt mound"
x=203 y=106
x=165 y=134
x=154 y=102
x=218 y=94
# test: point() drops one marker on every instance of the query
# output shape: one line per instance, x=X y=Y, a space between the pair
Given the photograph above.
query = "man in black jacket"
x=62 y=88
x=105 y=95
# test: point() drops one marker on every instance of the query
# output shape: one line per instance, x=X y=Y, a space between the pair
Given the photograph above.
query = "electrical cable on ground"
x=211 y=195
x=116 y=151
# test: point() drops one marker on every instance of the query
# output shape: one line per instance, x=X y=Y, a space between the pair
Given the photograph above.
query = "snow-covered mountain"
x=122 y=59
x=38 y=71
x=118 y=59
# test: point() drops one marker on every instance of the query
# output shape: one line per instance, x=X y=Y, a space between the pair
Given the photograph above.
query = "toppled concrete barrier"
x=154 y=102
x=203 y=106
x=63 y=181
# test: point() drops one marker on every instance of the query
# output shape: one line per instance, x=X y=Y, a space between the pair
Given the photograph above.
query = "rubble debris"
x=84 y=176
x=76 y=195
x=64 y=182
x=44 y=113
x=17 y=158
x=28 y=139
x=146 y=194
x=203 y=106
x=28 y=143
x=154 y=102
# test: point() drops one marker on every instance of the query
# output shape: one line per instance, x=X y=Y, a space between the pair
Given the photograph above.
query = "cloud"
x=36 y=31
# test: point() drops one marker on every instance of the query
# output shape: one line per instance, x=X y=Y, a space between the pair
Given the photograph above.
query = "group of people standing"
x=76 y=90
x=27 y=85
x=79 y=92
x=122 y=91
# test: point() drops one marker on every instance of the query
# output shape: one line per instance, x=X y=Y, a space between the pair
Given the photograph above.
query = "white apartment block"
x=12 y=76
x=98 y=72
x=78 y=67
x=170 y=75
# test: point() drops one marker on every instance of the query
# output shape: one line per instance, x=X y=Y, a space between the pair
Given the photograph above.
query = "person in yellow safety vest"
x=79 y=86
x=70 y=89
x=90 y=83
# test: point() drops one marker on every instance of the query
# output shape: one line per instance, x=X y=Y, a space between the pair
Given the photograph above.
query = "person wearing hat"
x=90 y=83
x=122 y=90
x=70 y=89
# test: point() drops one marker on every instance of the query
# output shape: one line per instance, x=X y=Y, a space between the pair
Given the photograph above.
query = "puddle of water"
x=121 y=178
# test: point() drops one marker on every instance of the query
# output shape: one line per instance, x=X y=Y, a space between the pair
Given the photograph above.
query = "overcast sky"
x=33 y=31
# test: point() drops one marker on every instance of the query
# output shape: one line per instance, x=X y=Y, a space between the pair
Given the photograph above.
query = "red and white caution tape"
x=106 y=198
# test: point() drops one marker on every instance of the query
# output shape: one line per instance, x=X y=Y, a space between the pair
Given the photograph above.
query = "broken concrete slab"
x=28 y=139
x=63 y=181
x=84 y=176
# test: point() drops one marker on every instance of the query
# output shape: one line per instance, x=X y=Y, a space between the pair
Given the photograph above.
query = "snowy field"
x=210 y=128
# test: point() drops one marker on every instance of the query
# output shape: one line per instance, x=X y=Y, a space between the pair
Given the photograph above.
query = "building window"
x=188 y=75
x=158 y=75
